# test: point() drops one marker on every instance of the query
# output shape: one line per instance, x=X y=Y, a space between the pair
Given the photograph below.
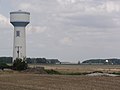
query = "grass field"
x=56 y=82
x=12 y=80
x=81 y=68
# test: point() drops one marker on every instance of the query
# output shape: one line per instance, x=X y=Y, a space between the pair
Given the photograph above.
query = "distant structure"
x=19 y=19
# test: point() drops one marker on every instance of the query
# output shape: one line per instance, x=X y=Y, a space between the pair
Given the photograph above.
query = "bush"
x=97 y=72
x=19 y=64
x=53 y=72
x=3 y=65
x=116 y=73
x=77 y=73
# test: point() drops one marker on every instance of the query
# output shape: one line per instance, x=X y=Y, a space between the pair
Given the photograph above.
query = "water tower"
x=19 y=19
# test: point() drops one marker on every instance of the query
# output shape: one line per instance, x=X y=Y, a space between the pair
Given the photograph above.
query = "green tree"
x=19 y=64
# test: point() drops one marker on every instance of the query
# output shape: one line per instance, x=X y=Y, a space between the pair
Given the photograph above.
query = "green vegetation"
x=72 y=73
x=31 y=60
x=3 y=65
x=77 y=73
x=53 y=72
x=59 y=73
x=113 y=61
x=19 y=65
x=5 y=59
x=97 y=72
x=116 y=73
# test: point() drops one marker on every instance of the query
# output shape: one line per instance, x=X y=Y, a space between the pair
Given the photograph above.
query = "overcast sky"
x=70 y=30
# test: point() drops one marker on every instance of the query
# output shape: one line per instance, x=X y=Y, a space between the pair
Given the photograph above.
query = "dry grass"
x=55 y=82
x=82 y=68
x=11 y=80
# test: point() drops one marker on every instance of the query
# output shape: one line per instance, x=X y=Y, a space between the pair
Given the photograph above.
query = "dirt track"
x=55 y=82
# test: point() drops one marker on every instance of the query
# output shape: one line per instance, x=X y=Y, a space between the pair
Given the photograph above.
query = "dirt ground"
x=21 y=81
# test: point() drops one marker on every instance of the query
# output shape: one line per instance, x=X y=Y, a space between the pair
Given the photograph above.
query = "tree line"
x=113 y=61
x=31 y=60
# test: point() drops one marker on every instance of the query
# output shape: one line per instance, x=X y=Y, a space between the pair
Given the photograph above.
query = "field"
x=81 y=68
x=11 y=80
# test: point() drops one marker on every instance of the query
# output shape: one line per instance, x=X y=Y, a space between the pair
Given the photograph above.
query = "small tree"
x=19 y=64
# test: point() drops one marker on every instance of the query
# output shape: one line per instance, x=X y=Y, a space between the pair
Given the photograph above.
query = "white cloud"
x=25 y=6
x=92 y=6
x=4 y=22
x=66 y=2
x=66 y=41
x=36 y=29
x=112 y=6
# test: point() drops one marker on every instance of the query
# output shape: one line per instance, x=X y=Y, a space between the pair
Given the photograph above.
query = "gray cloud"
x=69 y=30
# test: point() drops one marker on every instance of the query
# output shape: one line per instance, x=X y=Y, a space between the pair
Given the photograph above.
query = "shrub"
x=19 y=64
x=77 y=73
x=97 y=72
x=116 y=73
x=53 y=72
x=3 y=65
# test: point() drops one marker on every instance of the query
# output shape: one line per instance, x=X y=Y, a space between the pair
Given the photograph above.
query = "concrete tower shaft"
x=19 y=20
